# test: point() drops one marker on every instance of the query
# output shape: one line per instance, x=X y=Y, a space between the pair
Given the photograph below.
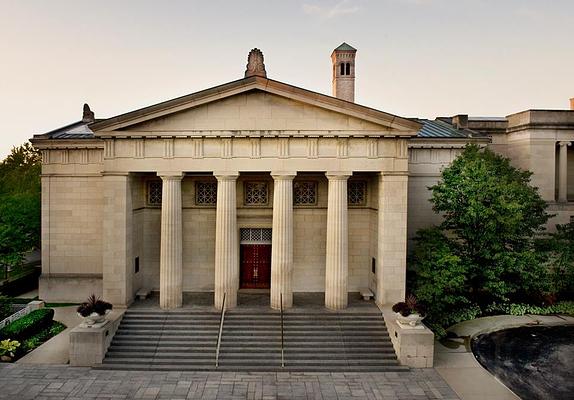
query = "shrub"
x=8 y=347
x=5 y=307
x=93 y=305
x=39 y=338
x=559 y=251
x=408 y=307
x=28 y=325
x=564 y=307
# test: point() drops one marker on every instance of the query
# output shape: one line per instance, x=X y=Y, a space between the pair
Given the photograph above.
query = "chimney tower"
x=343 y=60
x=572 y=103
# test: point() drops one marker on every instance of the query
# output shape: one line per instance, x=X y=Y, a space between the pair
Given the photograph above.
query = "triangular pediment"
x=256 y=104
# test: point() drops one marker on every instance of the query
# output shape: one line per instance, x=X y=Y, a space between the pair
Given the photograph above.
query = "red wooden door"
x=255 y=266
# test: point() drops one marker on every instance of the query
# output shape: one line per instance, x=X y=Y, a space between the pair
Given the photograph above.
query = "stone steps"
x=251 y=341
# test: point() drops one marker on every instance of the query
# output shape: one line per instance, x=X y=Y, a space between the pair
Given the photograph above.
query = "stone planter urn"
x=94 y=319
x=412 y=320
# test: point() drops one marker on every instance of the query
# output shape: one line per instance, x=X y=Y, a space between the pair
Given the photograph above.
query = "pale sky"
x=422 y=58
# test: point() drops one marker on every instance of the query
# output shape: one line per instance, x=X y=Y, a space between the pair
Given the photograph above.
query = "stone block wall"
x=71 y=237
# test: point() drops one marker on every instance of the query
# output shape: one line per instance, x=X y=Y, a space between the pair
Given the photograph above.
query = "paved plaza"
x=72 y=383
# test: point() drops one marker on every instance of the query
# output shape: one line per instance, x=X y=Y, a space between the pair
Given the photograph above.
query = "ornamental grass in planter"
x=409 y=312
x=94 y=310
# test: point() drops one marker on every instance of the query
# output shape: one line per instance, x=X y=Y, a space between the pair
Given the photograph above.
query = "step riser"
x=186 y=341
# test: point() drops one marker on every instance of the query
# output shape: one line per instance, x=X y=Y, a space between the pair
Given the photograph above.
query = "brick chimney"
x=343 y=60
x=572 y=103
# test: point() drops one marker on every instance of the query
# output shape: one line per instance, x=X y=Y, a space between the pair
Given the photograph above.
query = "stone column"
x=117 y=263
x=226 y=241
x=337 y=264
x=563 y=172
x=282 y=241
x=170 y=259
x=391 y=263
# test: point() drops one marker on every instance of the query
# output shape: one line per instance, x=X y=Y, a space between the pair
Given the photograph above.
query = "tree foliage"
x=19 y=204
x=483 y=251
x=559 y=251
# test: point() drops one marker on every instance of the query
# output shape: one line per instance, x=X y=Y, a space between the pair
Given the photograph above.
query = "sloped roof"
x=75 y=130
x=440 y=129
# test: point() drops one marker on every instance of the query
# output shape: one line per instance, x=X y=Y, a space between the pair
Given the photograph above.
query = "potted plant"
x=8 y=349
x=94 y=310
x=409 y=312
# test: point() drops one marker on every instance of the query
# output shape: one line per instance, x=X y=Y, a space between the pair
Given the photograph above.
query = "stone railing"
x=31 y=306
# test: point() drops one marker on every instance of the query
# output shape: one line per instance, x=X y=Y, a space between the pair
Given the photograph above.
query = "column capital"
x=226 y=175
x=285 y=175
x=564 y=143
x=172 y=175
x=338 y=175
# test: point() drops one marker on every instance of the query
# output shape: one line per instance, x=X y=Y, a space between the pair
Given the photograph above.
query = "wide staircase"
x=251 y=340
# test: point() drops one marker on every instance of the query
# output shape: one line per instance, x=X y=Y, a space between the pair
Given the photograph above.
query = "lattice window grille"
x=256 y=193
x=206 y=193
x=305 y=193
x=255 y=235
x=357 y=193
x=154 y=193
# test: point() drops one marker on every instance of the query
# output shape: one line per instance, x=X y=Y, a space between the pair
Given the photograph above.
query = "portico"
x=323 y=180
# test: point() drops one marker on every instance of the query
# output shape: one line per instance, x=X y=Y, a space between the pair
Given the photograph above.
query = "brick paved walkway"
x=23 y=382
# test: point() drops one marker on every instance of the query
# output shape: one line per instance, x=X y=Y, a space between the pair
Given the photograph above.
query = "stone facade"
x=253 y=130
x=157 y=198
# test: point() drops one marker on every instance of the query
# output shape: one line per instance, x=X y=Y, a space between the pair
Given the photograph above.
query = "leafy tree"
x=19 y=204
x=483 y=251
x=559 y=249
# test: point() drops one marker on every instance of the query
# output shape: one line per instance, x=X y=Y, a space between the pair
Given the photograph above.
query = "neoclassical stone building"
x=257 y=184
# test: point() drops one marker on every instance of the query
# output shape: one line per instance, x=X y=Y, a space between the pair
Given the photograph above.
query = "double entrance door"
x=255 y=255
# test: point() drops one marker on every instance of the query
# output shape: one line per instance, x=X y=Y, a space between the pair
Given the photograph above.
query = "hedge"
x=28 y=325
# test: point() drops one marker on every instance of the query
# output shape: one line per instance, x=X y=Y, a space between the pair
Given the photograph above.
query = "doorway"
x=255 y=256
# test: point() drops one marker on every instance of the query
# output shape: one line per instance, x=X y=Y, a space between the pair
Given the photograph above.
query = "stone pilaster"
x=563 y=172
x=337 y=263
x=226 y=241
x=392 y=238
x=170 y=261
x=117 y=271
x=282 y=241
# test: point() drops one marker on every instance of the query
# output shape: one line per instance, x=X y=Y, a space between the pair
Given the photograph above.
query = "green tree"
x=559 y=251
x=483 y=251
x=19 y=204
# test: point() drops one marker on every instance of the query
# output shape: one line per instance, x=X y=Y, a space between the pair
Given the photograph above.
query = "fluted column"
x=282 y=241
x=170 y=262
x=226 y=242
x=563 y=172
x=336 y=274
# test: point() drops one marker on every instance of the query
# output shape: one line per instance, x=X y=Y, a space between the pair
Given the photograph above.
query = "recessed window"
x=342 y=66
x=305 y=193
x=206 y=193
x=347 y=69
x=154 y=193
x=256 y=193
x=357 y=193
